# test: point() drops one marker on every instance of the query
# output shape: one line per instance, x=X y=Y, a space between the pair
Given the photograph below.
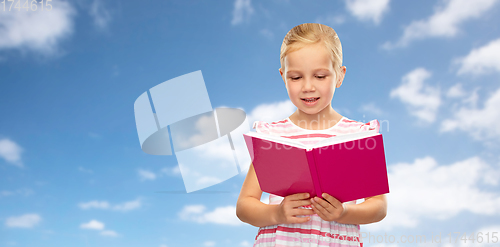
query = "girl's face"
x=309 y=74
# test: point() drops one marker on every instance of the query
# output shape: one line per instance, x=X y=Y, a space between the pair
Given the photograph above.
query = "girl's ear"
x=341 y=76
x=282 y=77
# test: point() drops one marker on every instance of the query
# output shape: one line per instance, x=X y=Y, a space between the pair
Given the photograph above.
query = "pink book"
x=348 y=167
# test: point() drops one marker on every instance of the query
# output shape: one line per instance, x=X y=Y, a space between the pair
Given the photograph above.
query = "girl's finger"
x=299 y=196
x=302 y=220
x=303 y=211
x=301 y=203
x=321 y=208
x=319 y=213
x=322 y=204
x=332 y=200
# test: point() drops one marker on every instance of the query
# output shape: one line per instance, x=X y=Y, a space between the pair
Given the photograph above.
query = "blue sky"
x=72 y=172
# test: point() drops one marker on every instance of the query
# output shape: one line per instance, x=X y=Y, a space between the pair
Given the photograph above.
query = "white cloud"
x=39 y=31
x=267 y=33
x=245 y=243
x=146 y=175
x=10 y=151
x=11 y=243
x=100 y=14
x=272 y=111
x=456 y=91
x=368 y=10
x=166 y=171
x=242 y=10
x=127 y=206
x=424 y=189
x=97 y=225
x=94 y=135
x=190 y=210
x=331 y=20
x=343 y=111
x=486 y=233
x=209 y=243
x=197 y=179
x=174 y=171
x=202 y=125
x=220 y=215
x=422 y=100
x=481 y=60
x=93 y=225
x=23 y=192
x=116 y=70
x=94 y=204
x=202 y=180
x=480 y=123
x=124 y=207
x=472 y=99
x=444 y=22
x=151 y=175
x=382 y=244
x=218 y=155
x=23 y=221
x=6 y=193
x=84 y=170
x=371 y=108
x=460 y=98
x=109 y=233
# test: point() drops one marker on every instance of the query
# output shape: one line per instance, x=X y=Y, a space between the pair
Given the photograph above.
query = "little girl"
x=311 y=67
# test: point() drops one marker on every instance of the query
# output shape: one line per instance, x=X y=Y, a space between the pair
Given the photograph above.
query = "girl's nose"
x=308 y=85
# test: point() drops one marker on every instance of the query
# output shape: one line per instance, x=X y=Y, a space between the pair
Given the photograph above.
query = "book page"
x=278 y=139
x=345 y=138
x=326 y=142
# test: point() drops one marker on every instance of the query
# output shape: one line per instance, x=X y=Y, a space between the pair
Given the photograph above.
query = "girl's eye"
x=321 y=77
x=295 y=78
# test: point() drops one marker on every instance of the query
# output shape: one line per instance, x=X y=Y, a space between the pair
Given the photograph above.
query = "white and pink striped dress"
x=316 y=231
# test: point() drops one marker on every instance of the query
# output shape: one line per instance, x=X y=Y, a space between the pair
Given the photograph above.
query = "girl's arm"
x=251 y=210
x=373 y=209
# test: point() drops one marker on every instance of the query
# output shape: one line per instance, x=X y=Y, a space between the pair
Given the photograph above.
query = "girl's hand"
x=288 y=209
x=329 y=210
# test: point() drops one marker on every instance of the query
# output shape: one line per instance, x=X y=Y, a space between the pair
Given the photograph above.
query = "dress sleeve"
x=261 y=127
x=372 y=125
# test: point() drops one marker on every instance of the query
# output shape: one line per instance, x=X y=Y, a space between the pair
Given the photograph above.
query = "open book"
x=348 y=167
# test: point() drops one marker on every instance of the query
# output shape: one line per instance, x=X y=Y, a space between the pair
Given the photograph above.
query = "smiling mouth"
x=310 y=99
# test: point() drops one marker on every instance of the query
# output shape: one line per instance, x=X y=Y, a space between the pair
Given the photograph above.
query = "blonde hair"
x=312 y=33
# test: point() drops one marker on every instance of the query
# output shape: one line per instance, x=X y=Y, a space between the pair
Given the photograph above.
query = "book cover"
x=348 y=167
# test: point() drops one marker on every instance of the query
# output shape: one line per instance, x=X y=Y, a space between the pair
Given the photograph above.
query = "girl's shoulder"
x=356 y=126
x=271 y=127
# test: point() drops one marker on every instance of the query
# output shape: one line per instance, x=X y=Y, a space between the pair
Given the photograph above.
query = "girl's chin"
x=309 y=111
x=315 y=110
